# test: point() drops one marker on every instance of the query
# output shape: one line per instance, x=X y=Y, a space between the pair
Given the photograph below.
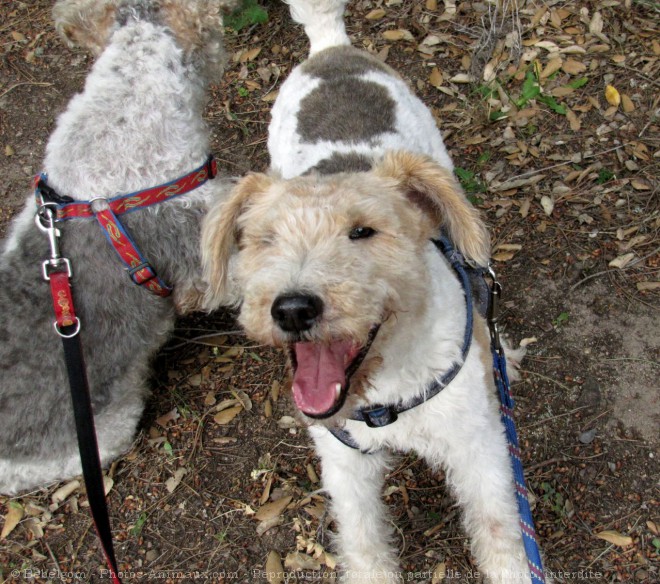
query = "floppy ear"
x=198 y=28
x=220 y=235
x=85 y=24
x=434 y=189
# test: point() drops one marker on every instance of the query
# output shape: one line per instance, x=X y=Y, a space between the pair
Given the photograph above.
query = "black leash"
x=57 y=271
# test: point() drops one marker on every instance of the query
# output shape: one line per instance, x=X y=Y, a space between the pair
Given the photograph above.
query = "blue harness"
x=487 y=297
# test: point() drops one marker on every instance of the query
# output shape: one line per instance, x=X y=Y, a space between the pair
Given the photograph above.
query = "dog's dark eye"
x=361 y=233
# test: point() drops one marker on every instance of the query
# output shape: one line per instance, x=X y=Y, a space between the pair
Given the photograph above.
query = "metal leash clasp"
x=45 y=221
x=493 y=315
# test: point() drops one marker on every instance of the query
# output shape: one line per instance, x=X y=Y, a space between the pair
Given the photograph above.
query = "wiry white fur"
x=415 y=127
x=323 y=22
x=459 y=430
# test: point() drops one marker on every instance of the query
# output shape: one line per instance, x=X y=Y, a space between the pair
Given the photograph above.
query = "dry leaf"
x=653 y=527
x=612 y=96
x=548 y=204
x=269 y=523
x=273 y=509
x=622 y=261
x=640 y=184
x=524 y=208
x=462 y=78
x=647 y=286
x=509 y=247
x=18 y=36
x=596 y=24
x=249 y=55
x=573 y=120
x=173 y=482
x=243 y=399
x=286 y=422
x=270 y=96
x=552 y=67
x=503 y=256
x=439 y=573
x=573 y=67
x=436 y=78
x=299 y=562
x=615 y=537
x=226 y=416
x=375 y=14
x=108 y=483
x=209 y=399
x=9 y=150
x=12 y=518
x=398 y=34
x=64 y=491
x=627 y=104
x=274 y=568
x=311 y=473
x=170 y=416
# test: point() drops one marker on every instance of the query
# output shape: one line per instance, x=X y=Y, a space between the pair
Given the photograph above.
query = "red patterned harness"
x=139 y=269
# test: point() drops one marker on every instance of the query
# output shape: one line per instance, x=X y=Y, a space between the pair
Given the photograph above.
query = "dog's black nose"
x=296 y=313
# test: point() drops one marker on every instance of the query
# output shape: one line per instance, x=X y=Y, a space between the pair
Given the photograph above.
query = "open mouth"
x=322 y=373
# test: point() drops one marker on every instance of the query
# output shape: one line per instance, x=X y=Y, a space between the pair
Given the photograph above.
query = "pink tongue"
x=321 y=368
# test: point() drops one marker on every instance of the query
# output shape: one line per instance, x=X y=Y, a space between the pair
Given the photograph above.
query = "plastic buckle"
x=211 y=167
x=494 y=309
x=379 y=416
x=133 y=273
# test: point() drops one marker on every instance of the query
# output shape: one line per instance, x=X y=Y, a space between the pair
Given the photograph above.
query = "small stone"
x=588 y=436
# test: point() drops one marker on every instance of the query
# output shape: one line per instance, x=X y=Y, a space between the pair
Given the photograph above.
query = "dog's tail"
x=323 y=21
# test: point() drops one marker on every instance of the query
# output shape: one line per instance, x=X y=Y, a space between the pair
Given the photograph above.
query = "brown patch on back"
x=350 y=162
x=343 y=61
x=349 y=109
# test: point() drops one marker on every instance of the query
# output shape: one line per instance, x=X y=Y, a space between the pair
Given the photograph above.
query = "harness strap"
x=121 y=204
x=139 y=269
x=377 y=416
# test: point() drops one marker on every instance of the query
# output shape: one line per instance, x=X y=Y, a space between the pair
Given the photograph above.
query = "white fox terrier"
x=136 y=125
x=331 y=257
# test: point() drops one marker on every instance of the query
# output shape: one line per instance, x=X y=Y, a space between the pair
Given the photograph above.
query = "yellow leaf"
x=226 y=416
x=435 y=78
x=270 y=510
x=14 y=515
x=615 y=537
x=612 y=95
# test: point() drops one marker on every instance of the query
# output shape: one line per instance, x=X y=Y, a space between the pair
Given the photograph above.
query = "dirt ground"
x=222 y=484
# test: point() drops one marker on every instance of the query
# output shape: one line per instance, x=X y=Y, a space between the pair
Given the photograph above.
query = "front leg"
x=480 y=474
x=354 y=482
